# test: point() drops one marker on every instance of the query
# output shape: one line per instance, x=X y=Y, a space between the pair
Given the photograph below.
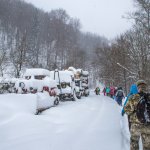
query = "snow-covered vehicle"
x=78 y=84
x=66 y=84
x=81 y=81
x=85 y=86
x=7 y=85
x=37 y=80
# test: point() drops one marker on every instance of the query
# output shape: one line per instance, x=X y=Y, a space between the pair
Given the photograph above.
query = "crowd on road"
x=137 y=108
x=116 y=93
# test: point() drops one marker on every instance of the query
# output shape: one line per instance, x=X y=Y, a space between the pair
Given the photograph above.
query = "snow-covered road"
x=92 y=123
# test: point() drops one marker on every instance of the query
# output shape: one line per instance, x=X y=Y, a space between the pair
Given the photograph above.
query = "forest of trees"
x=127 y=59
x=30 y=37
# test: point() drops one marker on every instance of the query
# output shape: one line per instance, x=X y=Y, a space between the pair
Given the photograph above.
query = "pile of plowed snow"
x=13 y=104
x=16 y=104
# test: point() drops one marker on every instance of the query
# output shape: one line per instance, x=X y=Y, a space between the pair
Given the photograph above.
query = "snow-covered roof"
x=37 y=71
x=85 y=73
x=37 y=84
x=72 y=69
x=79 y=70
x=65 y=76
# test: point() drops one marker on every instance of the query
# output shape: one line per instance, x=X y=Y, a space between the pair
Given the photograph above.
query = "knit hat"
x=141 y=84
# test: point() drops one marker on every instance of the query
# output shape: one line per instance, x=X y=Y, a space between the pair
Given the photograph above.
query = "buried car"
x=38 y=81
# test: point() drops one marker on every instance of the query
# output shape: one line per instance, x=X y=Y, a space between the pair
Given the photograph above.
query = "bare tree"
x=18 y=55
x=2 y=61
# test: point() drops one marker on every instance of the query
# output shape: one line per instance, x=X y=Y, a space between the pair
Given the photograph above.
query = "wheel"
x=74 y=96
x=56 y=102
x=79 y=96
x=1 y=91
x=73 y=99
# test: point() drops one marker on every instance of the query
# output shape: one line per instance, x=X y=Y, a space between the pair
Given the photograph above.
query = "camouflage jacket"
x=130 y=108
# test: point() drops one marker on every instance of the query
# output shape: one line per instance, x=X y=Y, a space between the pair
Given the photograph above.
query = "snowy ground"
x=92 y=123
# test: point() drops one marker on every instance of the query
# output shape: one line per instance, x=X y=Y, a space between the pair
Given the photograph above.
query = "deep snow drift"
x=92 y=123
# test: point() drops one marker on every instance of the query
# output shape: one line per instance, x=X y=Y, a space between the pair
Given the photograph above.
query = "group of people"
x=109 y=91
x=137 y=107
x=115 y=93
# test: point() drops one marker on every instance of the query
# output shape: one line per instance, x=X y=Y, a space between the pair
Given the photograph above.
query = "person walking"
x=137 y=127
x=112 y=91
x=119 y=96
x=107 y=91
x=97 y=91
x=104 y=91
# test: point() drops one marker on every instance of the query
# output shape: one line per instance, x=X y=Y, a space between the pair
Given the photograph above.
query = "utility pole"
x=124 y=73
x=125 y=81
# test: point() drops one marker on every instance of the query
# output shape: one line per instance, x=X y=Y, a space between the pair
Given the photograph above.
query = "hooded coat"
x=133 y=90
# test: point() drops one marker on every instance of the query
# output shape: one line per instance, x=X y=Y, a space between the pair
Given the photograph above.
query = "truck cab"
x=65 y=83
x=81 y=81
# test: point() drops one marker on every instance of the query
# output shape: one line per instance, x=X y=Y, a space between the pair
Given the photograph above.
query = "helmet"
x=139 y=82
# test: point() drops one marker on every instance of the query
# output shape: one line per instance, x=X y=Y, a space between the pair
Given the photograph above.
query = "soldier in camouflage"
x=137 y=128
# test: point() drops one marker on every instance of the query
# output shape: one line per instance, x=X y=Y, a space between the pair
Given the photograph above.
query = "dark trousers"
x=119 y=100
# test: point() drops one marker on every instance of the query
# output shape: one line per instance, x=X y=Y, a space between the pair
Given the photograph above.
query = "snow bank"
x=13 y=104
x=89 y=124
x=44 y=100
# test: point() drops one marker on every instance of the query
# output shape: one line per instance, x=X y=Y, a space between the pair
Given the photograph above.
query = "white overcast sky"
x=103 y=17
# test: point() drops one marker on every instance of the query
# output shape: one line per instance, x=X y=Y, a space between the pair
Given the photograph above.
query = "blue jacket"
x=133 y=90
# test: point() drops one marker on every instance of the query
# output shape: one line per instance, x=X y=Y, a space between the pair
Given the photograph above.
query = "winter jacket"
x=119 y=91
x=112 y=90
x=104 y=90
x=130 y=108
x=133 y=90
x=107 y=89
x=97 y=89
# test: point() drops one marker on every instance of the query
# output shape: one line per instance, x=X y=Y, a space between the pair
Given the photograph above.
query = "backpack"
x=119 y=93
x=143 y=109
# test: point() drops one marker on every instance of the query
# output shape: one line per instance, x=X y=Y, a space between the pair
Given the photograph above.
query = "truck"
x=85 y=83
x=65 y=83
x=81 y=80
